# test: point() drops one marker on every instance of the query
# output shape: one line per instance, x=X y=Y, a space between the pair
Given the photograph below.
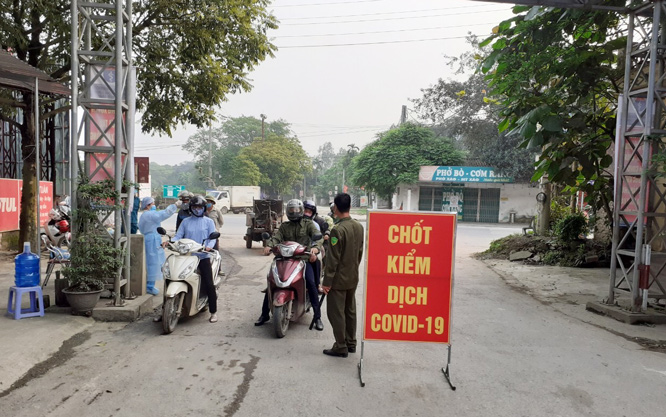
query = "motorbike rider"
x=198 y=227
x=311 y=213
x=302 y=230
x=184 y=196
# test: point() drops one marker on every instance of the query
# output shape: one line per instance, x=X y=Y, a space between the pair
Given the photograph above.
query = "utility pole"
x=210 y=157
x=403 y=115
x=263 y=117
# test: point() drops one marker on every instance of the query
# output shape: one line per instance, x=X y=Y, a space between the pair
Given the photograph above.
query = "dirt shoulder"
x=568 y=289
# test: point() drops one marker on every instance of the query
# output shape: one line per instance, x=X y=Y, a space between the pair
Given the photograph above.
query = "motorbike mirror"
x=214 y=235
x=265 y=236
x=161 y=230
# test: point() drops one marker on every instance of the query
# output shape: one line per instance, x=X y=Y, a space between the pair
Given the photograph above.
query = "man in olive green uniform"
x=301 y=230
x=341 y=277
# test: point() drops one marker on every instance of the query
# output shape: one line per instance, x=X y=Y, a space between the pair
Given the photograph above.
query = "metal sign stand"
x=445 y=371
x=360 y=366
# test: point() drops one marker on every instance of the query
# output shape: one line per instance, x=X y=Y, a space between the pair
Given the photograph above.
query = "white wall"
x=518 y=198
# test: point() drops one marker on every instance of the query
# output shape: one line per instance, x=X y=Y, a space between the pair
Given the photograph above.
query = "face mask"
x=185 y=206
x=209 y=205
x=198 y=211
x=153 y=208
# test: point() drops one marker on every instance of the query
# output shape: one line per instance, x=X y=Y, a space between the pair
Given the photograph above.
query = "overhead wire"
x=384 y=31
x=373 y=43
x=382 y=13
x=393 y=18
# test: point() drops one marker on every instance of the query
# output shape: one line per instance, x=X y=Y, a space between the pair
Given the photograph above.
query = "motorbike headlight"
x=287 y=250
x=166 y=272
x=183 y=248
x=187 y=271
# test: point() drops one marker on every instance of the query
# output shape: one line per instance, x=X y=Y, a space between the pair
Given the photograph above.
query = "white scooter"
x=182 y=283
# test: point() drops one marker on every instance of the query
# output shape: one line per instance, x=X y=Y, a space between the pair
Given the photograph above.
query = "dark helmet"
x=197 y=201
x=310 y=205
x=295 y=210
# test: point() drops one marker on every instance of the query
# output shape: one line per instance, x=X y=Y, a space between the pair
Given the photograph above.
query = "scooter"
x=182 y=283
x=57 y=228
x=286 y=285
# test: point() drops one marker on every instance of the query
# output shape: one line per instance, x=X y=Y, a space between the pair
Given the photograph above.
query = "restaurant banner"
x=10 y=203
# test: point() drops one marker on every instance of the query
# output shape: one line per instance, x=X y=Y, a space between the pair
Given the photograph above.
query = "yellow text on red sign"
x=409 y=276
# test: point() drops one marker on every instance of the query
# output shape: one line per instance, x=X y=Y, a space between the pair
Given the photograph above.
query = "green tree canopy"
x=464 y=110
x=225 y=144
x=398 y=154
x=190 y=56
x=280 y=161
x=557 y=75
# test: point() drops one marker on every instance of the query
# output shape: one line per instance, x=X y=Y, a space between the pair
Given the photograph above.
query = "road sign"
x=409 y=276
x=171 y=191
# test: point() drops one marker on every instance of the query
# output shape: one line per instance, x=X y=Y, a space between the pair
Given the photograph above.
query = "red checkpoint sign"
x=409 y=276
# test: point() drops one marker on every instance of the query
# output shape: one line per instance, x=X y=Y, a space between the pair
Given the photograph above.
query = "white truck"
x=235 y=198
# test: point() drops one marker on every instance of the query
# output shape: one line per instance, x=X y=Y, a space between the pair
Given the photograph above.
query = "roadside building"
x=476 y=194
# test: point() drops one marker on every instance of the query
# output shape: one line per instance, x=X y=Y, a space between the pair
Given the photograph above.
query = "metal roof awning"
x=607 y=5
x=16 y=74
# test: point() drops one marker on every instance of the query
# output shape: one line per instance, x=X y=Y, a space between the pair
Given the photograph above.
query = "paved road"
x=512 y=356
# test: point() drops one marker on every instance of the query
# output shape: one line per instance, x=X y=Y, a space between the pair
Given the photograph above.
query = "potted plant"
x=93 y=257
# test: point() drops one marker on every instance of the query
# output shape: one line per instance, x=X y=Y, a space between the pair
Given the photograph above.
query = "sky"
x=345 y=68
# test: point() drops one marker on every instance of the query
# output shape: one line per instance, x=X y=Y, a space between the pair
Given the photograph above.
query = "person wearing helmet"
x=311 y=213
x=184 y=196
x=198 y=227
x=214 y=214
x=150 y=220
x=302 y=230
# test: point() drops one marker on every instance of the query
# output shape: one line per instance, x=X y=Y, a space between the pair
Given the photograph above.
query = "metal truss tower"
x=101 y=116
x=638 y=260
x=639 y=215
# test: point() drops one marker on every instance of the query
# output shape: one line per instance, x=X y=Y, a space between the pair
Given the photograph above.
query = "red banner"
x=10 y=203
x=409 y=276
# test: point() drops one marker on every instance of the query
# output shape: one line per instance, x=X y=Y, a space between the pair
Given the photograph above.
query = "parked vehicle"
x=182 y=296
x=287 y=290
x=235 y=198
x=57 y=229
x=266 y=216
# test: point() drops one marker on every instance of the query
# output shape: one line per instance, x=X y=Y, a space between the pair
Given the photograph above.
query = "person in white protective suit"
x=150 y=220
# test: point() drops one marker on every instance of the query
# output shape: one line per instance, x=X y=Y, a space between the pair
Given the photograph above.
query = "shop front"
x=476 y=194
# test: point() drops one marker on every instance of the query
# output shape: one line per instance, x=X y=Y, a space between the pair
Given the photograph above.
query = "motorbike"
x=287 y=290
x=183 y=296
x=57 y=229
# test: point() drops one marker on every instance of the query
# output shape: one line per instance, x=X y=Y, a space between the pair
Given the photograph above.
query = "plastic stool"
x=17 y=311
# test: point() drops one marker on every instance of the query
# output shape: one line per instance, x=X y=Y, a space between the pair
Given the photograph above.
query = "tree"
x=464 y=110
x=396 y=156
x=280 y=161
x=557 y=76
x=189 y=56
x=226 y=143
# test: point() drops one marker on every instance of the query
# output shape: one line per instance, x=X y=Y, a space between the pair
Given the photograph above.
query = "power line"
x=372 y=43
x=382 y=13
x=328 y=4
x=384 y=31
x=395 y=18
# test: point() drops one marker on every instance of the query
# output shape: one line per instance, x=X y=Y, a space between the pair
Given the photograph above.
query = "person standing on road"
x=341 y=277
x=150 y=220
x=216 y=216
x=184 y=196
